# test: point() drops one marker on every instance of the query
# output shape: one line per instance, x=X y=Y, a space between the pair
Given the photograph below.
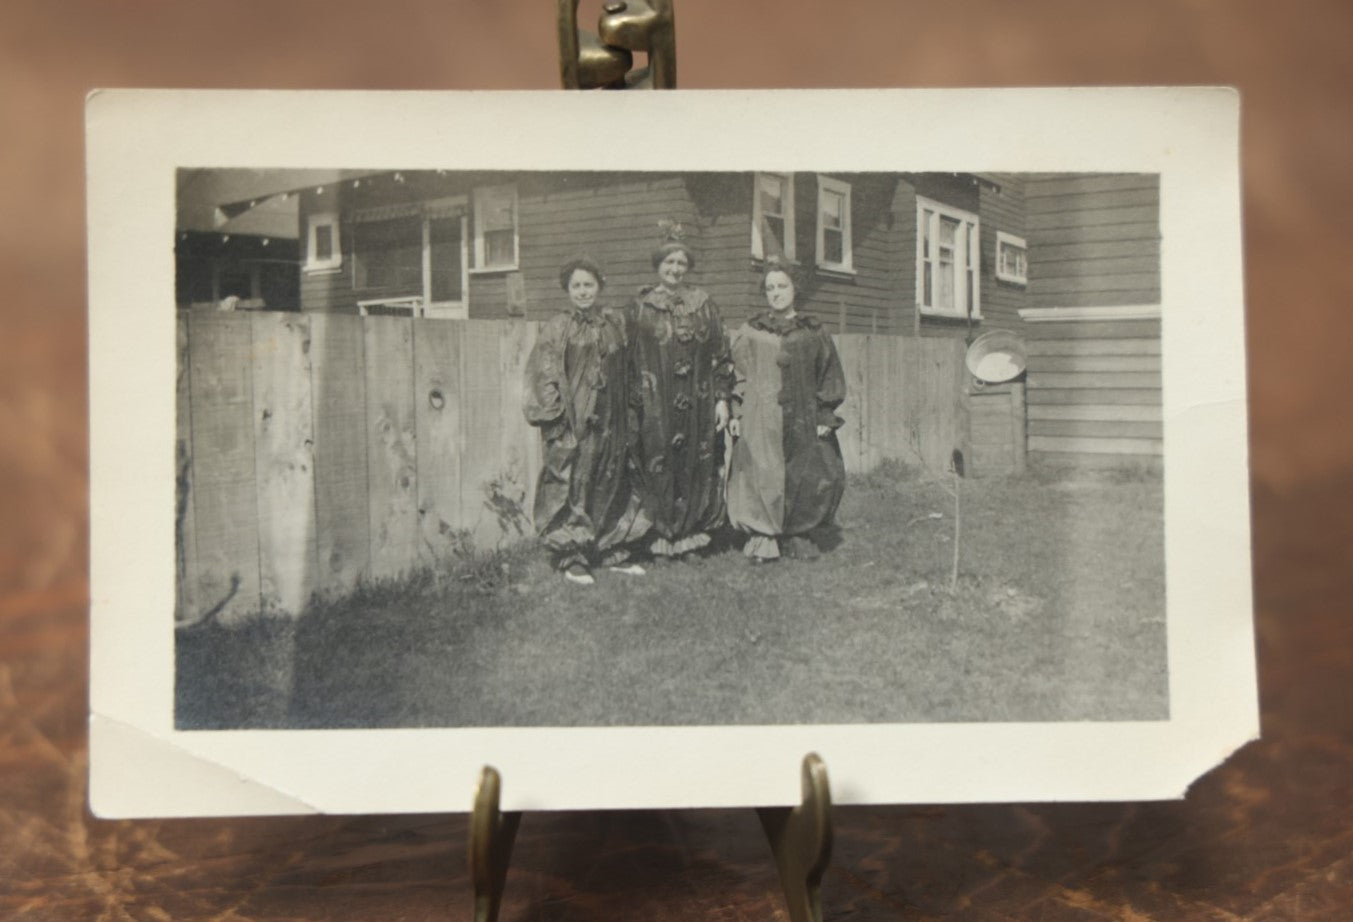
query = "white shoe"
x=579 y=576
x=629 y=569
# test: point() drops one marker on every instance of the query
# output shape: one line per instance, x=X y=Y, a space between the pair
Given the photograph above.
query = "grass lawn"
x=1059 y=614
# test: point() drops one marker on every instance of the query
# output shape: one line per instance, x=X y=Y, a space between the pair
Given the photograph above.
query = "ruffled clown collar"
x=777 y=323
x=684 y=300
x=587 y=315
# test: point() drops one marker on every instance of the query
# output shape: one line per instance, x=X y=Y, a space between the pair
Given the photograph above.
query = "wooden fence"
x=316 y=450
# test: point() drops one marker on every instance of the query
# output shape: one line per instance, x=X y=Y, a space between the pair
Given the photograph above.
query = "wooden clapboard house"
x=887 y=253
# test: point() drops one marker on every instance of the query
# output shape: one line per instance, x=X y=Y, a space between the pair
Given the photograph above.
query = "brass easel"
x=800 y=837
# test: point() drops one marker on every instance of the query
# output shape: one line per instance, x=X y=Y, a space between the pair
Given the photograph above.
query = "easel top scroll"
x=606 y=60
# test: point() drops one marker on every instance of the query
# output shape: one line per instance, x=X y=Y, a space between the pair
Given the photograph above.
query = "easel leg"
x=491 y=837
x=801 y=840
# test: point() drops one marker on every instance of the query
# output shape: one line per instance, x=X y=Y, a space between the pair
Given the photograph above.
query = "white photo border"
x=142 y=766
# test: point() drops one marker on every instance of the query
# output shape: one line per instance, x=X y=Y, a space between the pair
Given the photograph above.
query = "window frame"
x=967 y=281
x=313 y=222
x=1004 y=241
x=826 y=185
x=481 y=196
x=787 y=216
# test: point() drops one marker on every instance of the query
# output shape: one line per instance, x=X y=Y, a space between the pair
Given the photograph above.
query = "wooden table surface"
x=1269 y=835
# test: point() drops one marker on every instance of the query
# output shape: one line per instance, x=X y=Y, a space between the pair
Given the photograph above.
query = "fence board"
x=519 y=444
x=391 y=445
x=851 y=433
x=1019 y=425
x=437 y=400
x=338 y=396
x=955 y=381
x=185 y=526
x=876 y=398
x=225 y=504
x=896 y=434
x=535 y=455
x=913 y=398
x=934 y=418
x=933 y=438
x=284 y=460
x=960 y=425
x=482 y=419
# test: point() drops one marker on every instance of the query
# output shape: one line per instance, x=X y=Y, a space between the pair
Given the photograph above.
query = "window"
x=495 y=228
x=947 y=274
x=833 y=225
x=411 y=259
x=388 y=255
x=1012 y=258
x=322 y=250
x=773 y=215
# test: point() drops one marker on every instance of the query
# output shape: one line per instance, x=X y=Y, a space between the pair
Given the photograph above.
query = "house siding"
x=611 y=217
x=1094 y=385
x=863 y=302
x=329 y=291
x=723 y=242
x=1094 y=391
x=614 y=218
x=1094 y=240
x=869 y=300
x=1001 y=206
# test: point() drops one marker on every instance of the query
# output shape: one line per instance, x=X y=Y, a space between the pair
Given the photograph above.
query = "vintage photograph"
x=565 y=448
x=432 y=431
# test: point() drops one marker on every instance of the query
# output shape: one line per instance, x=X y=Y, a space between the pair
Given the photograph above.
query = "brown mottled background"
x=1268 y=836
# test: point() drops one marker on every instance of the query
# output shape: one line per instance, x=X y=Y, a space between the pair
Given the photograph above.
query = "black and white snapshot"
x=634 y=449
